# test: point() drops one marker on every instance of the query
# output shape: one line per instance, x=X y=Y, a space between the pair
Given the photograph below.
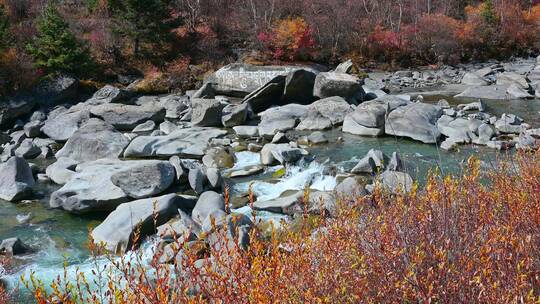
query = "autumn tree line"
x=174 y=42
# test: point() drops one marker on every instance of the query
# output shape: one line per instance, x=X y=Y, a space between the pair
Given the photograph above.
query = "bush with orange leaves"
x=289 y=39
x=468 y=239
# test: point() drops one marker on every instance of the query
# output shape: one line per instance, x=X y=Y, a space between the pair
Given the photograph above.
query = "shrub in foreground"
x=468 y=239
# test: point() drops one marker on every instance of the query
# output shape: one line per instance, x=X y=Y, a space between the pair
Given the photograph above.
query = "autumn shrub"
x=289 y=39
x=434 y=39
x=473 y=238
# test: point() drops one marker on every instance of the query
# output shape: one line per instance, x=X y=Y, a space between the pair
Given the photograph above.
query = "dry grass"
x=470 y=239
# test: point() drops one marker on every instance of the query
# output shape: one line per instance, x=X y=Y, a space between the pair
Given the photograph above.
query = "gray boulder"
x=94 y=140
x=15 y=107
x=234 y=115
x=109 y=94
x=61 y=88
x=330 y=84
x=207 y=203
x=62 y=170
x=394 y=181
x=207 y=112
x=61 y=126
x=218 y=157
x=373 y=162
x=415 y=120
x=325 y=113
x=191 y=142
x=267 y=95
x=14 y=246
x=175 y=106
x=246 y=131
x=33 y=128
x=472 y=78
x=510 y=78
x=149 y=179
x=148 y=126
x=197 y=179
x=91 y=190
x=27 y=149
x=117 y=232
x=367 y=119
x=344 y=67
x=127 y=117
x=280 y=119
x=298 y=87
x=281 y=153
x=239 y=79
x=16 y=180
x=350 y=188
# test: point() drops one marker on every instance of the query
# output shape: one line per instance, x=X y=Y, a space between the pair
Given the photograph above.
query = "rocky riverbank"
x=136 y=159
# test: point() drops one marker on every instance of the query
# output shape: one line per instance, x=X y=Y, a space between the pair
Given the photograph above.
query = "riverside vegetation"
x=473 y=238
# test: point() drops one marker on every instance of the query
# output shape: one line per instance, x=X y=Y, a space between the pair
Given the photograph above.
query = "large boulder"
x=91 y=189
x=267 y=95
x=367 y=119
x=207 y=112
x=330 y=84
x=61 y=88
x=61 y=171
x=61 y=124
x=373 y=162
x=13 y=246
x=472 y=78
x=16 y=179
x=175 y=105
x=240 y=79
x=295 y=203
x=149 y=179
x=94 y=140
x=207 y=203
x=281 y=119
x=235 y=115
x=109 y=94
x=12 y=108
x=127 y=117
x=281 y=153
x=495 y=92
x=393 y=182
x=298 y=87
x=325 y=113
x=118 y=231
x=416 y=121
x=191 y=143
x=218 y=157
x=509 y=78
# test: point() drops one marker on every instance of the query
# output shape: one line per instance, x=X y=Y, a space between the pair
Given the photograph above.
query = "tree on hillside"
x=142 y=21
x=56 y=49
x=5 y=36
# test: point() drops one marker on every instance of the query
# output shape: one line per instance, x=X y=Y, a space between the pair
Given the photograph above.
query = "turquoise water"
x=60 y=237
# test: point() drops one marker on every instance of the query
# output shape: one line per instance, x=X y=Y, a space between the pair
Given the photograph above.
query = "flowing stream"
x=60 y=237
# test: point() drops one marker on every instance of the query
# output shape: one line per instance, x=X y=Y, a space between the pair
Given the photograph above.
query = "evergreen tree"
x=142 y=21
x=56 y=49
x=5 y=35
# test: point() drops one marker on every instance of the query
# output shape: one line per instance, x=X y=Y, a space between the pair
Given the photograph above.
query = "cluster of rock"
x=519 y=80
x=159 y=159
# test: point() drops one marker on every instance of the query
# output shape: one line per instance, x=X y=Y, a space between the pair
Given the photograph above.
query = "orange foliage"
x=289 y=39
x=469 y=239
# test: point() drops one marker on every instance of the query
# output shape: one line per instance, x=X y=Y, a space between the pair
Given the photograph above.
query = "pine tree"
x=56 y=49
x=5 y=35
x=142 y=21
